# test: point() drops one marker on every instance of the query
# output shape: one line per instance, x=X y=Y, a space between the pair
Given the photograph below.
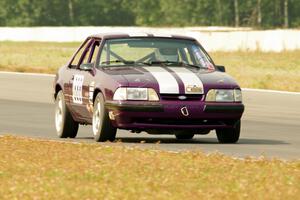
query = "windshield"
x=149 y=51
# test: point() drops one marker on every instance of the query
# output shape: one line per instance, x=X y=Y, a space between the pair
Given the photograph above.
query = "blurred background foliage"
x=253 y=13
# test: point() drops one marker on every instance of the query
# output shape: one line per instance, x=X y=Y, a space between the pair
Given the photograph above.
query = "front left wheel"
x=65 y=125
x=103 y=130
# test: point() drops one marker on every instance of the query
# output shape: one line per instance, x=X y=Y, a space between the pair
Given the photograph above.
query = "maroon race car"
x=157 y=84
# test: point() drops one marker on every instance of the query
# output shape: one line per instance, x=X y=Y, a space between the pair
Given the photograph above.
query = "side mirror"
x=220 y=68
x=86 y=66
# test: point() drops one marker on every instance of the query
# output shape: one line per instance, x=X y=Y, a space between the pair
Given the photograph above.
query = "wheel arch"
x=97 y=90
x=57 y=89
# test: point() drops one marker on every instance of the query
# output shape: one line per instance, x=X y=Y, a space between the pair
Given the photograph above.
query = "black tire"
x=203 y=132
x=230 y=135
x=65 y=125
x=103 y=130
x=184 y=135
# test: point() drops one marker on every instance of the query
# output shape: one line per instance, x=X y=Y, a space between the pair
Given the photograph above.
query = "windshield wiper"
x=167 y=63
x=143 y=63
x=175 y=63
x=127 y=62
x=194 y=66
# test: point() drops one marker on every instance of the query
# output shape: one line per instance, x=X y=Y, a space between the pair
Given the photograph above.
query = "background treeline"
x=254 y=13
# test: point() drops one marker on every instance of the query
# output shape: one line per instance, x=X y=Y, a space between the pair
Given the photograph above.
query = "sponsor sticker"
x=77 y=89
x=194 y=89
x=191 y=81
x=200 y=56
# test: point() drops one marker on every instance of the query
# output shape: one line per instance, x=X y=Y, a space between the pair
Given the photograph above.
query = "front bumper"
x=134 y=107
x=135 y=115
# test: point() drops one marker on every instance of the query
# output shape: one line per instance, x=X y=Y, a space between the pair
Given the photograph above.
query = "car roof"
x=140 y=35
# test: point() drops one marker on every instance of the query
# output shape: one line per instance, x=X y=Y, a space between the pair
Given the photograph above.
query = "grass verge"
x=278 y=71
x=37 y=169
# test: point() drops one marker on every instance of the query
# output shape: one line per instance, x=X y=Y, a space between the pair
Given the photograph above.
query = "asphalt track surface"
x=270 y=125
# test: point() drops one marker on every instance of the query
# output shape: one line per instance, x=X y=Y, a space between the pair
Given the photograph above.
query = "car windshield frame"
x=197 y=54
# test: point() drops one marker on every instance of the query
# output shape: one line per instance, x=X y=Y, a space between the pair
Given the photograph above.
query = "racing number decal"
x=77 y=89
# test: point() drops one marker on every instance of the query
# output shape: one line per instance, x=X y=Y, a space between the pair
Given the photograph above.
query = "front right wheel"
x=230 y=135
x=103 y=130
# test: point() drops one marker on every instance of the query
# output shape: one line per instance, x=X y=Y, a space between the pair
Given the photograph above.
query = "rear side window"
x=91 y=54
x=80 y=54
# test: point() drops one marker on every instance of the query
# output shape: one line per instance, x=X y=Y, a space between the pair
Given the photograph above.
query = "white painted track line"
x=270 y=91
x=27 y=74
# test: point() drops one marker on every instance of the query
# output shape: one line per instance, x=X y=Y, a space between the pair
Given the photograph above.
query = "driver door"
x=82 y=81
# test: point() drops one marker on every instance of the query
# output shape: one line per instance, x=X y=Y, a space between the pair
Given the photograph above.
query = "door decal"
x=91 y=92
x=77 y=88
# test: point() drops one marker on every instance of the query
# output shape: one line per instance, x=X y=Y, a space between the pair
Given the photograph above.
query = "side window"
x=187 y=56
x=78 y=56
x=105 y=54
x=90 y=56
x=86 y=56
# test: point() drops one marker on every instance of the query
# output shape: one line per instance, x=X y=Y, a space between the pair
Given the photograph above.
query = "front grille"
x=184 y=97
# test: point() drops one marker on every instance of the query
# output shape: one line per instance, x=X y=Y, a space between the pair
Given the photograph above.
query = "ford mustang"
x=146 y=82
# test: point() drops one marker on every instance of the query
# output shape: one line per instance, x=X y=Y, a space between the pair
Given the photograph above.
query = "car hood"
x=173 y=80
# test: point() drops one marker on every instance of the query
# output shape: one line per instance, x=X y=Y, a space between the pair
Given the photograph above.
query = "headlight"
x=120 y=94
x=224 y=95
x=142 y=94
x=238 y=95
x=137 y=94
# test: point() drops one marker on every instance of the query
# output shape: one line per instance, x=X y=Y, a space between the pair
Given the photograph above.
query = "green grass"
x=37 y=169
x=278 y=71
x=42 y=57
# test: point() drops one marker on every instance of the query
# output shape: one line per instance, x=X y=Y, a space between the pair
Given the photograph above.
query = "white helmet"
x=166 y=54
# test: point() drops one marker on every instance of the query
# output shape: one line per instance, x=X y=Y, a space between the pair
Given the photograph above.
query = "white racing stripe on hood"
x=192 y=83
x=166 y=81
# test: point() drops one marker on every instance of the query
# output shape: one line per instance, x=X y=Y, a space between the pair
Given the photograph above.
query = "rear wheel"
x=102 y=127
x=64 y=122
x=230 y=135
x=183 y=135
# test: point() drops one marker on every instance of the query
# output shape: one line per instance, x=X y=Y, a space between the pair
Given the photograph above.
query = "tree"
x=71 y=12
x=294 y=16
x=259 y=13
x=2 y=13
x=286 y=13
x=236 y=13
x=147 y=12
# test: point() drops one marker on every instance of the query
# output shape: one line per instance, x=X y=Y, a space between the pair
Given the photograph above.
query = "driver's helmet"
x=166 y=54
